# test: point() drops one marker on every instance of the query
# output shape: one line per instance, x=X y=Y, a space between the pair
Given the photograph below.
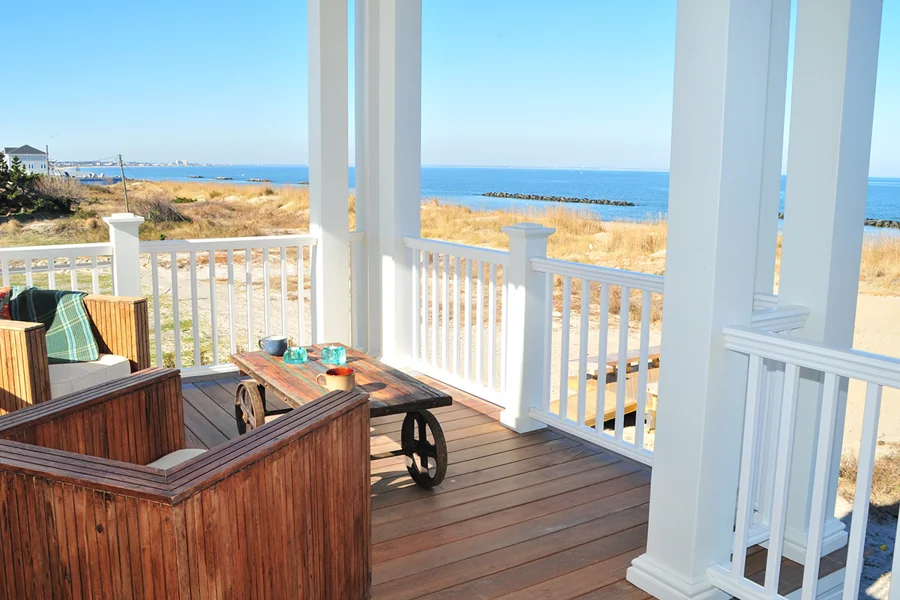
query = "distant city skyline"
x=579 y=84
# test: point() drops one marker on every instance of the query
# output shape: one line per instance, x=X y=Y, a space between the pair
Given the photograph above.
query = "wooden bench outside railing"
x=282 y=512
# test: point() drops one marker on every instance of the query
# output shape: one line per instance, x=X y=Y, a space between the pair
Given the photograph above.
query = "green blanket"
x=69 y=335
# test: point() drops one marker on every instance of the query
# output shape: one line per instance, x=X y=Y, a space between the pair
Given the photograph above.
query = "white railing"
x=835 y=366
x=459 y=308
x=607 y=386
x=219 y=296
x=83 y=267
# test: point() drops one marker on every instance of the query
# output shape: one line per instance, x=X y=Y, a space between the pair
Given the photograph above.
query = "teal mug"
x=274 y=345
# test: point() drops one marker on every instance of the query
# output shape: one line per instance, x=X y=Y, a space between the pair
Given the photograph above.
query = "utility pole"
x=124 y=186
x=47 y=152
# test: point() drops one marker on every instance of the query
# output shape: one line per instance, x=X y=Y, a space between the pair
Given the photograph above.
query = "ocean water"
x=649 y=190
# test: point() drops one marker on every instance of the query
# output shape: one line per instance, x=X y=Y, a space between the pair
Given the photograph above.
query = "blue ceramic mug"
x=274 y=345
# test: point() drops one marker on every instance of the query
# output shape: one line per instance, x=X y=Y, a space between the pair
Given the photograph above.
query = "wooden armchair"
x=282 y=512
x=121 y=327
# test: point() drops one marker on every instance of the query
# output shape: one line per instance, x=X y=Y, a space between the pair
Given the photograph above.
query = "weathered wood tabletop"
x=390 y=391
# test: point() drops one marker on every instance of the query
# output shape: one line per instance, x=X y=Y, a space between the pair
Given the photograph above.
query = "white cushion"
x=173 y=459
x=73 y=377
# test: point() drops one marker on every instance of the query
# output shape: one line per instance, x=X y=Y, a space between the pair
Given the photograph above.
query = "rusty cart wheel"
x=249 y=407
x=426 y=455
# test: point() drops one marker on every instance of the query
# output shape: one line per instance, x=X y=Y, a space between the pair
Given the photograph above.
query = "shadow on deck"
x=539 y=515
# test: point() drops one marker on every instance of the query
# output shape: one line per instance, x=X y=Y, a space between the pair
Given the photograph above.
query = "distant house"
x=34 y=160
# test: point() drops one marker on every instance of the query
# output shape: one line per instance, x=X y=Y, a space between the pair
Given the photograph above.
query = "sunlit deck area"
x=537 y=515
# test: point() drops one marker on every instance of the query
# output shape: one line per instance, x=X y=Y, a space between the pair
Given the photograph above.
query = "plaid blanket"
x=69 y=335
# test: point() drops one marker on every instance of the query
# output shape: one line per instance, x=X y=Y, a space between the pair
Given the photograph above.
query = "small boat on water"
x=224 y=178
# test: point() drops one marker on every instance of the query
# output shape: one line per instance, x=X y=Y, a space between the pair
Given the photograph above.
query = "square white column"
x=835 y=63
x=328 y=169
x=399 y=156
x=718 y=149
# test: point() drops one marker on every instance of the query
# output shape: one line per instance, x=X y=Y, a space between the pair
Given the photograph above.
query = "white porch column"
x=526 y=315
x=367 y=206
x=399 y=110
x=328 y=166
x=767 y=237
x=718 y=146
x=835 y=62
x=126 y=243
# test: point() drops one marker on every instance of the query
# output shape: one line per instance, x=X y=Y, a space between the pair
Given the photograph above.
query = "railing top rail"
x=844 y=362
x=784 y=318
x=608 y=275
x=55 y=250
x=236 y=243
x=498 y=257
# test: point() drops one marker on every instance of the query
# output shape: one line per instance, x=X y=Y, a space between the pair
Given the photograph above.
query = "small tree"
x=24 y=192
x=16 y=186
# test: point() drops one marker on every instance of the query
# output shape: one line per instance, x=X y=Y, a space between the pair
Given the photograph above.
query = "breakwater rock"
x=540 y=198
x=887 y=223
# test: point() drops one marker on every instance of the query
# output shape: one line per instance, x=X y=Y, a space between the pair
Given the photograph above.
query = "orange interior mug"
x=338 y=378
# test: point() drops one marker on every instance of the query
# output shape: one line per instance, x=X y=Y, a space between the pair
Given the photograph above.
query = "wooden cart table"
x=390 y=392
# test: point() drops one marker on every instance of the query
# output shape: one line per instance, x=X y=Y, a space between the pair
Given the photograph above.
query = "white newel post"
x=718 y=149
x=526 y=317
x=835 y=64
x=399 y=110
x=328 y=166
x=126 y=243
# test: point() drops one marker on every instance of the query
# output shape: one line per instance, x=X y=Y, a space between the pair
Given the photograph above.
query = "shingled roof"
x=26 y=149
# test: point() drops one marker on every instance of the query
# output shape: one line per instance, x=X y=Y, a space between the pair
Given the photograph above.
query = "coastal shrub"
x=183 y=200
x=157 y=207
x=84 y=213
x=267 y=191
x=885 y=499
x=59 y=194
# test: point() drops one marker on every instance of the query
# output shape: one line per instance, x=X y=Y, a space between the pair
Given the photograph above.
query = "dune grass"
x=214 y=209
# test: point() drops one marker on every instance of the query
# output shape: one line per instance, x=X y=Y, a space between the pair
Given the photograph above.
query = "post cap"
x=123 y=218
x=528 y=230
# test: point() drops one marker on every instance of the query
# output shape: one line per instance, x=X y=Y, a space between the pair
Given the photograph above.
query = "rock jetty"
x=567 y=199
x=886 y=223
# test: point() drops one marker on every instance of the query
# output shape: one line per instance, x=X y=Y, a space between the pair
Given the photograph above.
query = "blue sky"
x=505 y=82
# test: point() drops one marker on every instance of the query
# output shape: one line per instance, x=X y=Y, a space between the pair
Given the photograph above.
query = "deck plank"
x=518 y=517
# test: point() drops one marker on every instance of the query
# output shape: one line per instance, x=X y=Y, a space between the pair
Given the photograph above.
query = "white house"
x=34 y=160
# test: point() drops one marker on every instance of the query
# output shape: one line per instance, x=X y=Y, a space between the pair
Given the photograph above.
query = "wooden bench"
x=610 y=394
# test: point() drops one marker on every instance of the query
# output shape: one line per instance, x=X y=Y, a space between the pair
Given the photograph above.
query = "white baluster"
x=479 y=321
x=749 y=460
x=584 y=325
x=492 y=324
x=622 y=373
x=819 y=503
x=782 y=472
x=195 y=310
x=213 y=317
x=157 y=309
x=51 y=273
x=864 y=470
x=175 y=312
x=602 y=344
x=284 y=302
x=232 y=324
x=445 y=314
x=564 y=349
x=267 y=296
x=646 y=309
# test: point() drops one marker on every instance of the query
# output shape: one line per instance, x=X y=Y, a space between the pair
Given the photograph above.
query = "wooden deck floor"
x=519 y=516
